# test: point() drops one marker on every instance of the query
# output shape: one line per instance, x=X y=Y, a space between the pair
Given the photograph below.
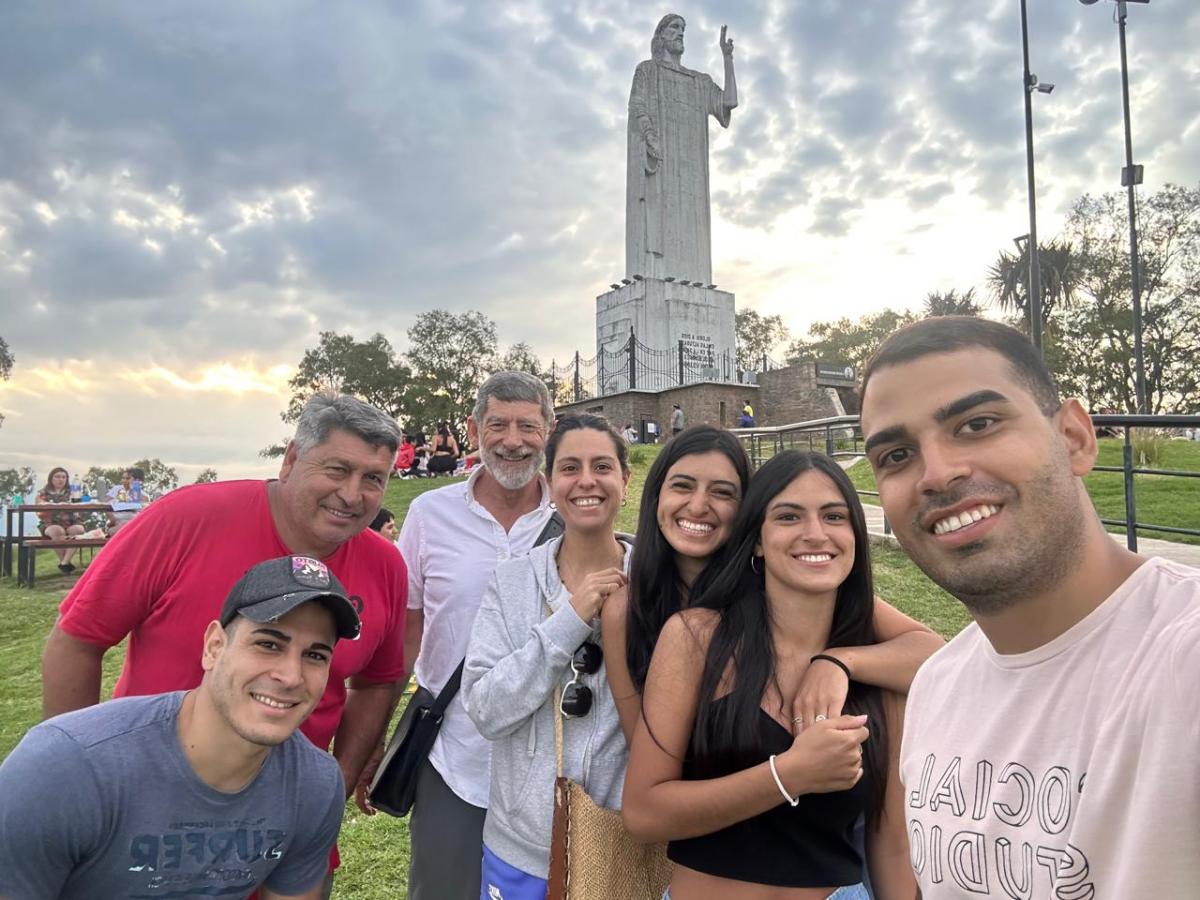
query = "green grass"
x=1159 y=499
x=374 y=849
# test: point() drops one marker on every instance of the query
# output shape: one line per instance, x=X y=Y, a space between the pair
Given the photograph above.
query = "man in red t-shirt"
x=162 y=578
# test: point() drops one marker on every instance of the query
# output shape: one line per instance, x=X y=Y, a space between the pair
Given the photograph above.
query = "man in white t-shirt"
x=452 y=539
x=1050 y=749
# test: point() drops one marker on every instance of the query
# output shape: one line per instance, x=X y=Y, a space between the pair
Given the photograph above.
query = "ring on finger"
x=798 y=720
x=820 y=717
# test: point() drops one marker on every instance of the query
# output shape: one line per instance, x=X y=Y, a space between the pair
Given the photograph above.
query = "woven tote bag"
x=592 y=856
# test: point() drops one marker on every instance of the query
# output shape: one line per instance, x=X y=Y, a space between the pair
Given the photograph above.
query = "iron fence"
x=841 y=437
x=634 y=365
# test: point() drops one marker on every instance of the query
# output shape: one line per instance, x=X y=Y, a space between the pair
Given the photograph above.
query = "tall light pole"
x=1131 y=176
x=1031 y=84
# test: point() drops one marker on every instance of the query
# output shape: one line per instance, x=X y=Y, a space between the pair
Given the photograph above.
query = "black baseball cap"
x=272 y=589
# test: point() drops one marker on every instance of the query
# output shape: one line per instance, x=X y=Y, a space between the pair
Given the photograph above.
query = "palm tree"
x=951 y=303
x=1008 y=278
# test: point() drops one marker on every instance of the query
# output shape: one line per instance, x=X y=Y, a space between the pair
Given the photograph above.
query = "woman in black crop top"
x=755 y=800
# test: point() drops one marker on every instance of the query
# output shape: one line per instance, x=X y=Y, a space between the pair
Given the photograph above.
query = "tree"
x=339 y=364
x=951 y=303
x=450 y=355
x=521 y=358
x=1095 y=357
x=844 y=341
x=207 y=476
x=1008 y=279
x=13 y=481
x=757 y=336
x=6 y=366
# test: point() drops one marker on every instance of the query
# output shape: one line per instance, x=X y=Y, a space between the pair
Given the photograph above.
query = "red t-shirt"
x=165 y=575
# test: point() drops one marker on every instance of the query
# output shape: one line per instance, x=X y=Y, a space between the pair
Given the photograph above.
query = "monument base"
x=684 y=333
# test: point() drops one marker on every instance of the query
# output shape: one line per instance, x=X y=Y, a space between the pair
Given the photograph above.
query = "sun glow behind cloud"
x=220 y=378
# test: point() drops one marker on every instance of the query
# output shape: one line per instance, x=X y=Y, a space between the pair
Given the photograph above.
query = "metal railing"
x=841 y=437
x=632 y=365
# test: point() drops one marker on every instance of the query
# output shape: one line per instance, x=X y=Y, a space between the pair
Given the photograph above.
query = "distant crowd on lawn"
x=727 y=682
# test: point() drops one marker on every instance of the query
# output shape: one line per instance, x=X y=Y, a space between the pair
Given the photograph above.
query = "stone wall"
x=781 y=397
x=791 y=395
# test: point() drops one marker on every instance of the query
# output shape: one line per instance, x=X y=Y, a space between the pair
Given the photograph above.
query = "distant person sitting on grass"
x=192 y=792
x=406 y=456
x=61 y=523
x=444 y=454
x=128 y=492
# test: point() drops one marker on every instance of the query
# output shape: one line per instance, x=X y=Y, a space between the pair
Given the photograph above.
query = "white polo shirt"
x=452 y=545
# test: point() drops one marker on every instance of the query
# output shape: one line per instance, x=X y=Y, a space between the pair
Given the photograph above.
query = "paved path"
x=1188 y=554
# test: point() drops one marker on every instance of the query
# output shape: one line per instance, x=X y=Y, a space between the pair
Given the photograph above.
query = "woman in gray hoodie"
x=537 y=638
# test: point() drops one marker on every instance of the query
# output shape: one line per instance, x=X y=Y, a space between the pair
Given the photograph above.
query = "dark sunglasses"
x=577 y=696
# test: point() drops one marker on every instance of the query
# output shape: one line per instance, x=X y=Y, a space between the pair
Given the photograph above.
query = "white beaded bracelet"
x=779 y=783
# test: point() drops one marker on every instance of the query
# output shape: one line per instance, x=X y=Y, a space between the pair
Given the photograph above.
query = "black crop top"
x=808 y=845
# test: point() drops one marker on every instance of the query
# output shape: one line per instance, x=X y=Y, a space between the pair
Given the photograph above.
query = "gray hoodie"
x=518 y=654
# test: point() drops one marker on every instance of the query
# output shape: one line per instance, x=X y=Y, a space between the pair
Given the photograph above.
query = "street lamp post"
x=1131 y=176
x=1030 y=84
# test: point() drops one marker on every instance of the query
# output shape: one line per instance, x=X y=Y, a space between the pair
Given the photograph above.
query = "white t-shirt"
x=1068 y=772
x=452 y=545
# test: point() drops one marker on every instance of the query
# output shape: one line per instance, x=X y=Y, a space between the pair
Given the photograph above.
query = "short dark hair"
x=949 y=334
x=577 y=421
x=136 y=473
x=382 y=517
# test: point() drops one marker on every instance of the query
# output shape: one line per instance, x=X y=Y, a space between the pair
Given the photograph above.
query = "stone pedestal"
x=662 y=314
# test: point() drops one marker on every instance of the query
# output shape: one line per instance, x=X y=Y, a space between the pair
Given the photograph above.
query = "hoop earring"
x=752 y=568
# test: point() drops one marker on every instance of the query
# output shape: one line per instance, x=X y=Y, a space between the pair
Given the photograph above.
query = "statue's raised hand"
x=726 y=43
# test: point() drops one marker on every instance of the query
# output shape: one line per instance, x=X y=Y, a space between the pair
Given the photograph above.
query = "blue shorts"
x=501 y=881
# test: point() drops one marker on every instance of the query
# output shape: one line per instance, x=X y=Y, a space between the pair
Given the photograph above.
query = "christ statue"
x=667 y=229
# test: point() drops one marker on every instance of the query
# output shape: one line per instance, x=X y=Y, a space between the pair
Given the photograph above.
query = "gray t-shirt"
x=102 y=802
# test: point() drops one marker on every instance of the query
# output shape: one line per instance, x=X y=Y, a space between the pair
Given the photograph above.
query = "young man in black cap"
x=196 y=793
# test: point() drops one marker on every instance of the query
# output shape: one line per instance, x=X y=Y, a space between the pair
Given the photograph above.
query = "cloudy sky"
x=190 y=192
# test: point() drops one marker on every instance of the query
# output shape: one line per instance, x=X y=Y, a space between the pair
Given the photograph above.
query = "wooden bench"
x=26 y=553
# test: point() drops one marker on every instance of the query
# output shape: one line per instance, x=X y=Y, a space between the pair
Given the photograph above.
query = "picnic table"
x=27 y=546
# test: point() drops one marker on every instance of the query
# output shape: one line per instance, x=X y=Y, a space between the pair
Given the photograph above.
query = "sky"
x=190 y=193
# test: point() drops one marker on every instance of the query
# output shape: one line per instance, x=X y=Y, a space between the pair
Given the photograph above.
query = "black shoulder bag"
x=395 y=784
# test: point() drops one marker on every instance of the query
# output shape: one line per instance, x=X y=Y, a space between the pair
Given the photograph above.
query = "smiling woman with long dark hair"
x=755 y=800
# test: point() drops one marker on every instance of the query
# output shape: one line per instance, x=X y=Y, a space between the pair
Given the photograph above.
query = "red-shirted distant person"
x=406 y=456
x=160 y=581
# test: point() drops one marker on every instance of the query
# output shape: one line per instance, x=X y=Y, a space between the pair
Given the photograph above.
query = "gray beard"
x=510 y=475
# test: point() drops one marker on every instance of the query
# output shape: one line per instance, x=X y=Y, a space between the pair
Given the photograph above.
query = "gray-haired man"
x=452 y=540
x=161 y=579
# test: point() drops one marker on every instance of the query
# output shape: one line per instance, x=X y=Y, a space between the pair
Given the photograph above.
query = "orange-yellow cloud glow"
x=84 y=377
x=218 y=378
